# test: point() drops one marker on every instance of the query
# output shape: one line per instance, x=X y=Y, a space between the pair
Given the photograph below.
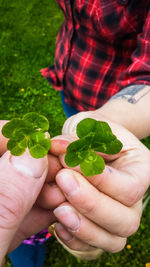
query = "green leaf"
x=94 y=136
x=93 y=164
x=28 y=131
x=38 y=145
x=110 y=148
x=11 y=128
x=17 y=146
x=113 y=147
x=76 y=152
x=103 y=132
x=85 y=127
x=100 y=147
x=100 y=130
x=38 y=151
x=38 y=121
x=79 y=145
x=22 y=131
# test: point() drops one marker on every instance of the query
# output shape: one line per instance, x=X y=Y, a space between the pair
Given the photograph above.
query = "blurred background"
x=28 y=30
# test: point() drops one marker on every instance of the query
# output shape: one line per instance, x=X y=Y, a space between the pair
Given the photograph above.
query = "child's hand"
x=103 y=210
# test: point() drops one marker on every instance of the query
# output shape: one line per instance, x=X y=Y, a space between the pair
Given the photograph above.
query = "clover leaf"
x=94 y=136
x=38 y=145
x=92 y=164
x=17 y=145
x=38 y=121
x=28 y=132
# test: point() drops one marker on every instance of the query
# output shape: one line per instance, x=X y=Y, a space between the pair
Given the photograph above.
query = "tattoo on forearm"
x=133 y=93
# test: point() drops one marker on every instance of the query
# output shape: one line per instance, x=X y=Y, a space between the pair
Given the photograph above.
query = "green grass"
x=27 y=44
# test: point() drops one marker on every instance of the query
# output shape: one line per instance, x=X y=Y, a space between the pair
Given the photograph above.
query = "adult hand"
x=21 y=180
x=103 y=210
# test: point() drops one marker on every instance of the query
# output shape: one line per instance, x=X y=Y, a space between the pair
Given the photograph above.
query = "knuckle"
x=71 y=123
x=87 y=207
x=76 y=244
x=118 y=246
x=131 y=227
x=73 y=244
x=135 y=192
x=79 y=200
x=11 y=210
x=88 y=239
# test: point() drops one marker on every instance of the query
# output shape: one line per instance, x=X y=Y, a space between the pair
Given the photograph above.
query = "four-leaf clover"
x=94 y=136
x=28 y=132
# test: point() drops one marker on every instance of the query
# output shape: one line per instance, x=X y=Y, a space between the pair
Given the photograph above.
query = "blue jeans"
x=69 y=111
x=28 y=256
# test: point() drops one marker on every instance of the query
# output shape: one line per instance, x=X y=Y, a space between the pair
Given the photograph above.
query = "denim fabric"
x=28 y=256
x=69 y=111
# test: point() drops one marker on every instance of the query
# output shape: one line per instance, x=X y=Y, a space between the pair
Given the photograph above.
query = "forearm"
x=130 y=108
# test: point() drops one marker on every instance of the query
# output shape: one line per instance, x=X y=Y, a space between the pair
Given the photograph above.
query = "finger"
x=50 y=196
x=70 y=240
x=69 y=127
x=87 y=231
x=123 y=186
x=126 y=179
x=54 y=166
x=34 y=222
x=3 y=140
x=21 y=181
x=75 y=246
x=98 y=207
x=59 y=144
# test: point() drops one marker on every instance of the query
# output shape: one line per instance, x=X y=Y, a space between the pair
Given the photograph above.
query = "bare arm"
x=130 y=108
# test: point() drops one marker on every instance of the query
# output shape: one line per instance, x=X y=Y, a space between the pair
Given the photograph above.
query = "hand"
x=103 y=210
x=23 y=212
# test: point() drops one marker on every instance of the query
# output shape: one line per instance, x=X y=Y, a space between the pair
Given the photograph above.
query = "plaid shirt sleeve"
x=102 y=47
x=138 y=71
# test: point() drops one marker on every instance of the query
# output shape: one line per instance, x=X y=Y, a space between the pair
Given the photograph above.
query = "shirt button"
x=122 y=2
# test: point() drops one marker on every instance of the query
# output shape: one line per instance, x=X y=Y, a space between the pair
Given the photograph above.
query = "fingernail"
x=60 y=141
x=62 y=232
x=68 y=217
x=67 y=182
x=67 y=139
x=27 y=165
x=61 y=137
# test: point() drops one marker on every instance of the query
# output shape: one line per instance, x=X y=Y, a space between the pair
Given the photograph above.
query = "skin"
x=130 y=108
x=22 y=212
x=113 y=208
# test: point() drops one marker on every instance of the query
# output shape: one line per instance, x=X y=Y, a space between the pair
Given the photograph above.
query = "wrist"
x=109 y=112
x=127 y=115
x=130 y=108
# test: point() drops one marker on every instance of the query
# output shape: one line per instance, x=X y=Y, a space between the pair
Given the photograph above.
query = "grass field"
x=28 y=30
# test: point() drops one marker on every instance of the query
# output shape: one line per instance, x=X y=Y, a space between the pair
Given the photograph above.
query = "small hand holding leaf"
x=95 y=136
x=28 y=132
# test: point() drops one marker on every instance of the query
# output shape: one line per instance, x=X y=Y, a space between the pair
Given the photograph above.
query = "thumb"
x=69 y=127
x=21 y=179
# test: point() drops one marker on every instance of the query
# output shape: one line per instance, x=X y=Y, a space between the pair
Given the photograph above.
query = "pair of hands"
x=100 y=211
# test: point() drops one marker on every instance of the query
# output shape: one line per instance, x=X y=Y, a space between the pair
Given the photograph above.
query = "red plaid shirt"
x=102 y=46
